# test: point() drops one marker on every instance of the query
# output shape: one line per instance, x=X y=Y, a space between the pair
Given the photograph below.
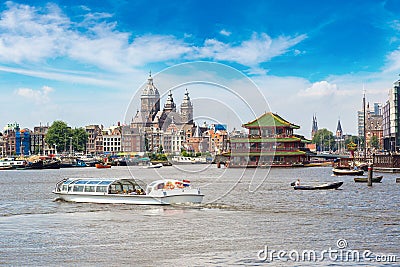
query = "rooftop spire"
x=339 y=131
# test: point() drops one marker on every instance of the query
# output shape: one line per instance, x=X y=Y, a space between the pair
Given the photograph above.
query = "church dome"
x=150 y=89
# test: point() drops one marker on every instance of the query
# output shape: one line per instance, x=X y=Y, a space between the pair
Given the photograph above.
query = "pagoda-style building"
x=270 y=142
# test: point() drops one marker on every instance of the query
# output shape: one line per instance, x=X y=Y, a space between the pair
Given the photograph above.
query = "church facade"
x=154 y=123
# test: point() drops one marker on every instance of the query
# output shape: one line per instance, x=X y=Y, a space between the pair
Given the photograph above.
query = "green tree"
x=324 y=140
x=58 y=134
x=374 y=142
x=61 y=135
x=79 y=137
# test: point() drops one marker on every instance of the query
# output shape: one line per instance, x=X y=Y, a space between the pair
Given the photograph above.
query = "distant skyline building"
x=388 y=141
x=112 y=139
x=390 y=119
x=94 y=144
x=38 y=144
x=377 y=108
x=360 y=123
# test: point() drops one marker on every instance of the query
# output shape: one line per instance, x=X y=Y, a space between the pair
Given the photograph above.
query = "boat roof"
x=96 y=181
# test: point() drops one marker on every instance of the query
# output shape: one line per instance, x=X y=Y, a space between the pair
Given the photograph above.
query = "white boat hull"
x=170 y=197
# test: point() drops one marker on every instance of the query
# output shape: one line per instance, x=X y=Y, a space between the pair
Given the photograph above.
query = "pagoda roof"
x=270 y=119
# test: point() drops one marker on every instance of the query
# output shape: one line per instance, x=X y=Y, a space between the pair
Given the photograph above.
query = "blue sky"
x=83 y=61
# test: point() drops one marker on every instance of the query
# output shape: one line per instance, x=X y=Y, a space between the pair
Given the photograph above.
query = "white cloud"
x=392 y=61
x=34 y=34
x=156 y=48
x=28 y=36
x=322 y=88
x=37 y=96
x=225 y=32
x=258 y=49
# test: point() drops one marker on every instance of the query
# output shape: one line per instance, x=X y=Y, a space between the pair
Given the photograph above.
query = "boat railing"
x=59 y=185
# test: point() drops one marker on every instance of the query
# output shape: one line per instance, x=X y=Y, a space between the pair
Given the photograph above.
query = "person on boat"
x=297 y=183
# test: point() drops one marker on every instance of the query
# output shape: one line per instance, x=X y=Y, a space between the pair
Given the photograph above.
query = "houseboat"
x=12 y=163
x=127 y=191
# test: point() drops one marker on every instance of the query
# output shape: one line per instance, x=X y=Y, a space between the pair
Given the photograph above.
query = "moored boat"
x=153 y=166
x=14 y=163
x=102 y=166
x=376 y=179
x=33 y=165
x=71 y=162
x=9 y=167
x=347 y=172
x=318 y=164
x=334 y=185
x=50 y=162
x=127 y=191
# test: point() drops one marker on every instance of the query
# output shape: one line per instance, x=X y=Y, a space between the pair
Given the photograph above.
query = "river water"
x=246 y=215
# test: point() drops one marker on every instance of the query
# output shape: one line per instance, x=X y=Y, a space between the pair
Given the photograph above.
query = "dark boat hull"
x=335 y=185
x=37 y=165
x=51 y=165
x=364 y=179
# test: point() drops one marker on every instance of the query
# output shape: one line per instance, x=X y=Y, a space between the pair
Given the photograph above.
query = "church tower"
x=314 y=128
x=339 y=131
x=169 y=104
x=150 y=100
x=187 y=109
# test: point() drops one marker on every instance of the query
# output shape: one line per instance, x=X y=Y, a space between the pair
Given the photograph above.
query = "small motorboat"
x=102 y=166
x=347 y=172
x=376 y=179
x=334 y=185
x=151 y=166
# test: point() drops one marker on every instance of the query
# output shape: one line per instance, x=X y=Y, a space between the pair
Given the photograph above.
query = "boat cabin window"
x=65 y=188
x=115 y=188
x=101 y=189
x=90 y=188
x=78 y=188
x=160 y=186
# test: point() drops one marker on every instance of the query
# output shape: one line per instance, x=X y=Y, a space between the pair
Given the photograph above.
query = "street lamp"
x=70 y=145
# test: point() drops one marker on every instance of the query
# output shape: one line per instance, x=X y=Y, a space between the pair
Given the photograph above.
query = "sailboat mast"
x=365 y=137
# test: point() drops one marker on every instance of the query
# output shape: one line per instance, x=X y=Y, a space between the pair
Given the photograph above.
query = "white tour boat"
x=189 y=160
x=127 y=191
